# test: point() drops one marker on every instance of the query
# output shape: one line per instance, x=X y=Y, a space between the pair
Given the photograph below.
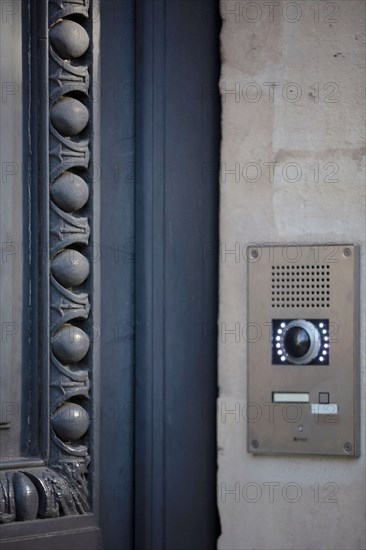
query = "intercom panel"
x=302 y=334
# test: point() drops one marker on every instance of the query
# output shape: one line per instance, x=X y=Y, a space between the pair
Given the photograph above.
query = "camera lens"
x=297 y=342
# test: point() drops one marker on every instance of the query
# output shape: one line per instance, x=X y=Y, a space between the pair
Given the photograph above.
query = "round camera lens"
x=297 y=342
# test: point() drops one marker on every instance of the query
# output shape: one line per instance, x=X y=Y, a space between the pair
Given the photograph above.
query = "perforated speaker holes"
x=301 y=286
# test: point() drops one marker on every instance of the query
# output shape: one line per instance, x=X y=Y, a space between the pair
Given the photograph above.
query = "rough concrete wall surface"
x=292 y=170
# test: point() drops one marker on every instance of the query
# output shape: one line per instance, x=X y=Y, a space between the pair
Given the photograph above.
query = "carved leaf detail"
x=66 y=154
x=66 y=230
x=66 y=305
x=61 y=493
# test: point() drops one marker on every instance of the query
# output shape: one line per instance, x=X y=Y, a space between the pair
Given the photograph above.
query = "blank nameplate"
x=281 y=397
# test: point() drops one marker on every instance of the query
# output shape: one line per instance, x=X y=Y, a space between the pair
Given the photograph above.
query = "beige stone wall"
x=296 y=154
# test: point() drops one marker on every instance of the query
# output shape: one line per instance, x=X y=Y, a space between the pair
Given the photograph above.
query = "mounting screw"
x=347 y=447
x=255 y=444
x=254 y=253
x=347 y=252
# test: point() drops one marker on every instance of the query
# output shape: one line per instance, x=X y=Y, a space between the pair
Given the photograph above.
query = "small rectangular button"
x=324 y=397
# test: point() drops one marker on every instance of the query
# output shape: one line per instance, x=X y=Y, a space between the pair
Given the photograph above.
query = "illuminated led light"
x=283 y=325
x=324 y=331
x=279 y=352
x=278 y=338
x=321 y=325
x=321 y=358
x=283 y=358
x=326 y=345
x=324 y=352
x=278 y=345
x=326 y=338
x=279 y=331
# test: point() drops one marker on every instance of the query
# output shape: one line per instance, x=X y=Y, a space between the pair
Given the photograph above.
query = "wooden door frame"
x=177 y=165
x=50 y=495
x=154 y=284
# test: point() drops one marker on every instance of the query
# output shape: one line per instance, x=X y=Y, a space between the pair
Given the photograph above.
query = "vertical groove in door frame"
x=150 y=258
x=117 y=247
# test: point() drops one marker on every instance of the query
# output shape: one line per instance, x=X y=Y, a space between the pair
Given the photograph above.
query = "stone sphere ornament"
x=70 y=344
x=70 y=268
x=69 y=39
x=26 y=497
x=69 y=116
x=69 y=192
x=70 y=421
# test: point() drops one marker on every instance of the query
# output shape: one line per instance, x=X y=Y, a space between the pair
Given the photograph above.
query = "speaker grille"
x=300 y=286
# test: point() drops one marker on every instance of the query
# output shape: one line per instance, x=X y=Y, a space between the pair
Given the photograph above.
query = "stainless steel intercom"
x=303 y=371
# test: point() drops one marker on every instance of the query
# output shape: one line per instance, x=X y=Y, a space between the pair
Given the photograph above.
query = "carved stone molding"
x=62 y=486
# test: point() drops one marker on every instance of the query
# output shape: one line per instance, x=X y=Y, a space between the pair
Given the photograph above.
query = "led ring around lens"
x=314 y=342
